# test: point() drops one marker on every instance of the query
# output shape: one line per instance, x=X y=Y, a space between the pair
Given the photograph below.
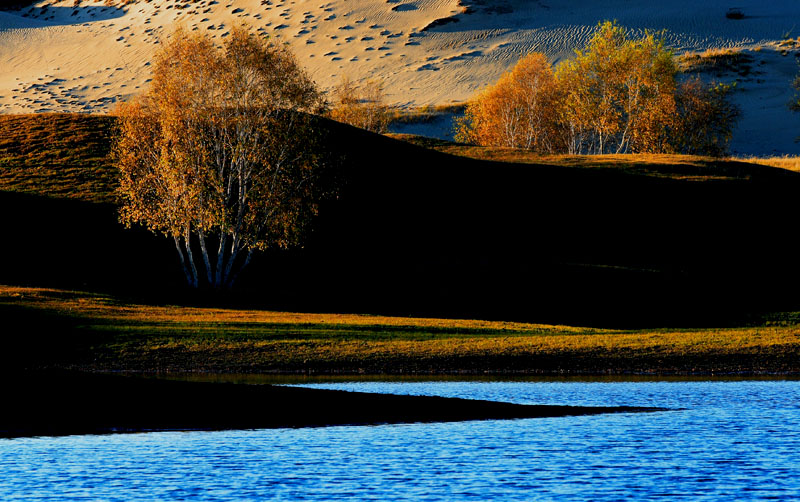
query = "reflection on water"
x=733 y=440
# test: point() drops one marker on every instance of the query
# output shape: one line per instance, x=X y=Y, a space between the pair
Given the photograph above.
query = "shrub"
x=362 y=107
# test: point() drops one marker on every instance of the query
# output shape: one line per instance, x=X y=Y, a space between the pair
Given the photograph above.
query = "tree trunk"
x=220 y=258
x=209 y=273
x=236 y=275
x=187 y=242
x=231 y=259
x=183 y=261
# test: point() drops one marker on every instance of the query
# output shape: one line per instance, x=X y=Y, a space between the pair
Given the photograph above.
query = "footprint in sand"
x=404 y=7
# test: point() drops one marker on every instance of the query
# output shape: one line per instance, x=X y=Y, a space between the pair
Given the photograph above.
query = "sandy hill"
x=84 y=56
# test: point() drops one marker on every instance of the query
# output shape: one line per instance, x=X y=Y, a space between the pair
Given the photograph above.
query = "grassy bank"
x=61 y=329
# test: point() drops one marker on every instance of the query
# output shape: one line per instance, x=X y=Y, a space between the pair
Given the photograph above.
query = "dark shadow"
x=37 y=404
x=404 y=7
x=417 y=232
x=70 y=15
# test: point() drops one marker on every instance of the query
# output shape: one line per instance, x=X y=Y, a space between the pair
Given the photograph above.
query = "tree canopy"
x=220 y=153
x=618 y=95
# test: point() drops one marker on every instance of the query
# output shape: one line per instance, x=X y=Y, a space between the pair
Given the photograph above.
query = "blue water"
x=732 y=441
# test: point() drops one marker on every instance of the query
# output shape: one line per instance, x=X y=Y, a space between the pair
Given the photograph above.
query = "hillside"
x=58 y=155
x=655 y=242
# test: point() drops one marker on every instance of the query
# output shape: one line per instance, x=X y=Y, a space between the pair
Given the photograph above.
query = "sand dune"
x=57 y=57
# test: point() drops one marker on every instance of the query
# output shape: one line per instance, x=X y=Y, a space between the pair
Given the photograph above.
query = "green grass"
x=102 y=333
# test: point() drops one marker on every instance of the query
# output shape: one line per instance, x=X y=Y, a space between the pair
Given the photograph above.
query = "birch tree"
x=219 y=154
x=519 y=111
x=620 y=93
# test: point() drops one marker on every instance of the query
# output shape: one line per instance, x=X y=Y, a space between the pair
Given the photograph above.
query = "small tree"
x=362 y=107
x=517 y=111
x=218 y=154
x=620 y=93
x=705 y=118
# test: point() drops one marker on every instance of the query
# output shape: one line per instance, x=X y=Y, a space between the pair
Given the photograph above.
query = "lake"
x=723 y=440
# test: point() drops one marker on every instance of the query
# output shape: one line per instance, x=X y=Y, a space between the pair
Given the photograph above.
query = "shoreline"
x=69 y=403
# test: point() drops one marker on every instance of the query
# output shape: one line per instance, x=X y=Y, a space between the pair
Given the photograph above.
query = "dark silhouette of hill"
x=419 y=232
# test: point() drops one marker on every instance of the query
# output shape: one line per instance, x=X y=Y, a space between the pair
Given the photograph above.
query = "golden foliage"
x=362 y=107
x=218 y=150
x=617 y=96
x=516 y=111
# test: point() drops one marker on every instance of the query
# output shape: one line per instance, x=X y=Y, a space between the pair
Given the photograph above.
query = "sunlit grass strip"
x=668 y=166
x=141 y=337
x=104 y=310
x=789 y=162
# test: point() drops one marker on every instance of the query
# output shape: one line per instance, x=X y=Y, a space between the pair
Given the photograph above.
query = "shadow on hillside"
x=71 y=15
x=421 y=233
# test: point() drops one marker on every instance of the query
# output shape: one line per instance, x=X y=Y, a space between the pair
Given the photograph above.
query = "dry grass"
x=676 y=167
x=424 y=114
x=140 y=337
x=785 y=162
x=103 y=309
x=58 y=155
x=718 y=62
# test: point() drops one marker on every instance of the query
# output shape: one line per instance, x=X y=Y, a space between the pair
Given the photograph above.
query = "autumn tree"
x=619 y=95
x=517 y=111
x=705 y=118
x=361 y=106
x=218 y=153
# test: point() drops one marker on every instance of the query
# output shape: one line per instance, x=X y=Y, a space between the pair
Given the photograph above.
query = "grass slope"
x=437 y=229
x=63 y=329
x=57 y=155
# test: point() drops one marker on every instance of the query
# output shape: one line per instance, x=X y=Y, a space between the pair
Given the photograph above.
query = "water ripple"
x=732 y=441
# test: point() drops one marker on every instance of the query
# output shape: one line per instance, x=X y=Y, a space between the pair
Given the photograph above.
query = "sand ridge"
x=55 y=56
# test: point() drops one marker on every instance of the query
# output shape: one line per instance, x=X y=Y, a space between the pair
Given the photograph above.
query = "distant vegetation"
x=718 y=62
x=361 y=106
x=219 y=155
x=617 y=96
